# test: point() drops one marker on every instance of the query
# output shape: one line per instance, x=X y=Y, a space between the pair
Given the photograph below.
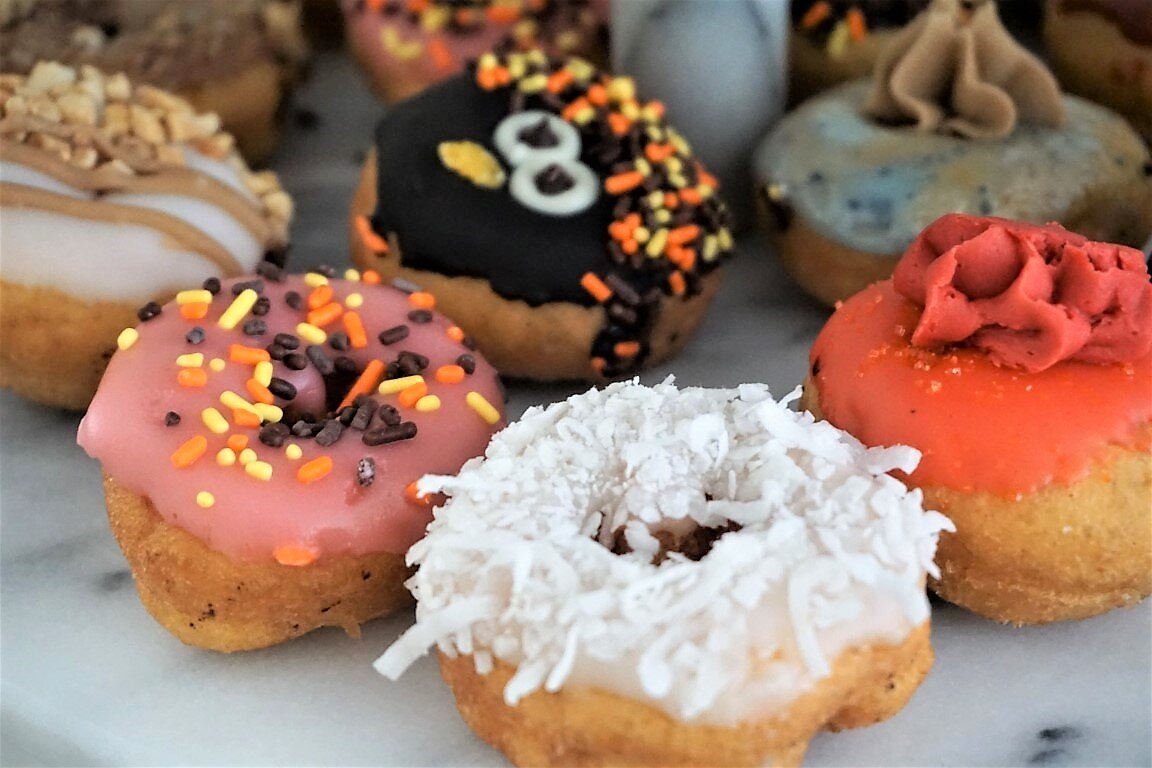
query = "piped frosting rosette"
x=708 y=551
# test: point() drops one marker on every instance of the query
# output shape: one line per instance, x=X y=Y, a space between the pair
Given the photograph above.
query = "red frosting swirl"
x=1028 y=296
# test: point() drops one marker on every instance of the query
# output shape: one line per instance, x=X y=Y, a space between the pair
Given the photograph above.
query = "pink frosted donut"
x=406 y=45
x=268 y=429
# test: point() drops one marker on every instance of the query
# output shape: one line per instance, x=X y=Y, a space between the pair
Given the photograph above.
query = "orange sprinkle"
x=503 y=14
x=354 y=326
x=597 y=94
x=685 y=258
x=620 y=124
x=559 y=80
x=690 y=196
x=412 y=494
x=626 y=348
x=632 y=221
x=321 y=295
x=408 y=397
x=657 y=108
x=450 y=374
x=422 y=300
x=629 y=246
x=367 y=382
x=374 y=5
x=683 y=234
x=595 y=286
x=192 y=377
x=816 y=14
x=196 y=310
x=619 y=230
x=238 y=353
x=192 y=449
x=569 y=112
x=493 y=78
x=659 y=152
x=671 y=200
x=368 y=236
x=417 y=6
x=598 y=365
x=623 y=182
x=441 y=55
x=291 y=554
x=314 y=470
x=326 y=315
x=237 y=442
x=370 y=276
x=677 y=284
x=456 y=333
x=857 y=24
x=259 y=392
x=245 y=419
x=705 y=177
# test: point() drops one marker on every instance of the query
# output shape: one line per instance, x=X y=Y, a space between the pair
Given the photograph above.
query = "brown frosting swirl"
x=955 y=69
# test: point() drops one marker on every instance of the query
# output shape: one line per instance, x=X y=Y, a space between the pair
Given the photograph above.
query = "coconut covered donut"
x=653 y=576
x=260 y=440
x=112 y=195
x=558 y=217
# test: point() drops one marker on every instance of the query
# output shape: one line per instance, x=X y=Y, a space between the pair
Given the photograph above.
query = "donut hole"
x=658 y=541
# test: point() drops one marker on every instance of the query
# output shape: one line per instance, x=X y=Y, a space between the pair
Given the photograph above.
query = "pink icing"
x=125 y=430
x=1028 y=296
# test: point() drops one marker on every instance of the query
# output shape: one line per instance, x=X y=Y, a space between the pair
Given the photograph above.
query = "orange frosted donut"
x=1018 y=359
x=259 y=439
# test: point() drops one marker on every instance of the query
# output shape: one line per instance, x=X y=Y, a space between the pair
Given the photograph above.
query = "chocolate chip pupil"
x=553 y=180
x=539 y=135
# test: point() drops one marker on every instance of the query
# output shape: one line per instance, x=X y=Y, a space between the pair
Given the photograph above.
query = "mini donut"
x=653 y=576
x=260 y=439
x=237 y=58
x=850 y=178
x=1018 y=359
x=834 y=41
x=1102 y=50
x=557 y=217
x=404 y=46
x=112 y=195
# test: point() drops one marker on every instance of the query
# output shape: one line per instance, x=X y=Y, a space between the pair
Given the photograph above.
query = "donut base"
x=1059 y=553
x=551 y=342
x=53 y=346
x=210 y=601
x=248 y=103
x=594 y=727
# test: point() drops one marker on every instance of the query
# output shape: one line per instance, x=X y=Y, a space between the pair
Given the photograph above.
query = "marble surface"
x=87 y=678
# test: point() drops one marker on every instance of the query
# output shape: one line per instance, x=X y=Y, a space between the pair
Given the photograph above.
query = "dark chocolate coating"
x=448 y=225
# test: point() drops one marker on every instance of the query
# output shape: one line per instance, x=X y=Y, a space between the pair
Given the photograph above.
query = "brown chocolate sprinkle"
x=393 y=335
x=270 y=271
x=389 y=415
x=365 y=471
x=195 y=336
x=404 y=286
x=274 y=435
x=339 y=341
x=329 y=433
x=212 y=285
x=255 y=285
x=325 y=269
x=363 y=417
x=262 y=306
x=345 y=364
x=281 y=388
x=294 y=300
x=405 y=430
x=468 y=363
x=420 y=316
x=171 y=419
x=276 y=352
x=286 y=340
x=303 y=428
x=319 y=359
x=148 y=311
x=295 y=361
x=255 y=327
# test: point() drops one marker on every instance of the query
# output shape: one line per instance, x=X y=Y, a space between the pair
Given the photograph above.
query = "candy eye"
x=534 y=134
x=544 y=150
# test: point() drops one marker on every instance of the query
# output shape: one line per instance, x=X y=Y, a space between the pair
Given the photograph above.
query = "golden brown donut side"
x=593 y=727
x=548 y=343
x=53 y=346
x=211 y=601
x=1062 y=552
x=812 y=69
x=247 y=103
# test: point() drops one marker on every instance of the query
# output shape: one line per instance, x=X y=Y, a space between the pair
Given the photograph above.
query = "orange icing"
x=980 y=427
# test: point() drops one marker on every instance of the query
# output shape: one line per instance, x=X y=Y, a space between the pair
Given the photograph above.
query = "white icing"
x=832 y=552
x=208 y=218
x=507 y=138
x=98 y=261
x=217 y=169
x=14 y=173
x=583 y=192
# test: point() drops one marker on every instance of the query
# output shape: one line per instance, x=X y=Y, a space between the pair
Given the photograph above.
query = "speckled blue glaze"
x=873 y=187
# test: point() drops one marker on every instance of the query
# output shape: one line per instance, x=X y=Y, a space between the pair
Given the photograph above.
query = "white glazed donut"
x=556 y=556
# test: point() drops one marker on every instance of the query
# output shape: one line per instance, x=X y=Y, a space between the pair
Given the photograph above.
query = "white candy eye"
x=556 y=189
x=535 y=133
x=544 y=150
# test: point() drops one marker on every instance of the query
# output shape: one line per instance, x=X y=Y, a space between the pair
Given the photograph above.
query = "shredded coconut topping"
x=703 y=549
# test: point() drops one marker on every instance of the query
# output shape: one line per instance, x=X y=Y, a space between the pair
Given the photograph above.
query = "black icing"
x=446 y=224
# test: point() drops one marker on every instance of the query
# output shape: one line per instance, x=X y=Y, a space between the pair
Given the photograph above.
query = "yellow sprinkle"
x=127 y=338
x=205 y=499
x=198 y=296
x=656 y=244
x=487 y=61
x=622 y=88
x=677 y=180
x=428 y=403
x=392 y=386
x=191 y=360
x=643 y=166
x=674 y=164
x=214 y=420
x=263 y=372
x=269 y=413
x=217 y=364
x=641 y=234
x=482 y=407
x=247 y=456
x=534 y=83
x=630 y=110
x=705 y=190
x=315 y=280
x=656 y=199
x=352 y=275
x=838 y=40
x=725 y=238
x=230 y=399
x=311 y=333
x=293 y=452
x=711 y=248
x=261 y=470
x=663 y=215
x=353 y=301
x=240 y=307
x=226 y=457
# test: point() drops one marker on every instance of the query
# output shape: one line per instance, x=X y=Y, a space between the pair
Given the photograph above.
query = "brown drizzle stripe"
x=131 y=154
x=184 y=234
x=182 y=182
